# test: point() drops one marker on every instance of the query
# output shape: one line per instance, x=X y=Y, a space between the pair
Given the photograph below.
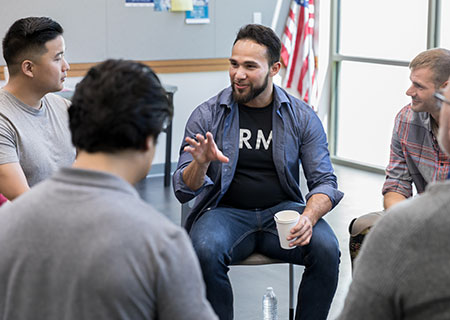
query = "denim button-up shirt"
x=298 y=138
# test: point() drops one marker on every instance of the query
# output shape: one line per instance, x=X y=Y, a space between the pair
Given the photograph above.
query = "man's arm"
x=322 y=183
x=391 y=198
x=12 y=180
x=203 y=150
x=316 y=207
x=398 y=184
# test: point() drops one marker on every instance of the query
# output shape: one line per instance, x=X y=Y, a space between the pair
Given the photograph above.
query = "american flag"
x=297 y=51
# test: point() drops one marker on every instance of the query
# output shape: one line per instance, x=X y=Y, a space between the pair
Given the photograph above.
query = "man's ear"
x=443 y=85
x=275 y=68
x=27 y=67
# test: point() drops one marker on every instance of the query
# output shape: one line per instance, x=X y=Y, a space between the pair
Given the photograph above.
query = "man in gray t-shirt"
x=34 y=133
x=93 y=249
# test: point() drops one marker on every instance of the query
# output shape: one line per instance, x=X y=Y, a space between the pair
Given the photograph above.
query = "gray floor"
x=362 y=194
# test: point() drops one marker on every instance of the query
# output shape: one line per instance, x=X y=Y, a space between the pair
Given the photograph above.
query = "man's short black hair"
x=263 y=36
x=117 y=106
x=27 y=37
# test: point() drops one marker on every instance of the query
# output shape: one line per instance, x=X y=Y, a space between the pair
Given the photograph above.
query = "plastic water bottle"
x=270 y=310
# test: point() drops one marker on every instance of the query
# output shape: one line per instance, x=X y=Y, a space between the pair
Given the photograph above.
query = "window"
x=374 y=43
x=445 y=25
x=370 y=95
x=386 y=30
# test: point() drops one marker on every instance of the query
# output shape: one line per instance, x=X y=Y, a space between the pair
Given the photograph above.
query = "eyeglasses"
x=440 y=99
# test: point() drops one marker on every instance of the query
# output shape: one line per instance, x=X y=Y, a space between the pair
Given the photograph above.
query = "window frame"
x=336 y=59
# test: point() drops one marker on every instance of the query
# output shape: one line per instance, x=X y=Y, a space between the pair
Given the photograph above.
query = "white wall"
x=194 y=88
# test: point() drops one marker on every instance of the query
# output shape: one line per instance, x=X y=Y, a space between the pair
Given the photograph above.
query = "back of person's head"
x=263 y=36
x=117 y=106
x=437 y=60
x=26 y=39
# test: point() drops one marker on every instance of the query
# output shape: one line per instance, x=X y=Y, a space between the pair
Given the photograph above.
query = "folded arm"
x=12 y=180
x=391 y=198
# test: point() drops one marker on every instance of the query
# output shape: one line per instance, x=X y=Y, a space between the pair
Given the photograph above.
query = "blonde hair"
x=437 y=60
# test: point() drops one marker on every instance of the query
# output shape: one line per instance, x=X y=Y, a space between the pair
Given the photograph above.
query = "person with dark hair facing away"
x=240 y=158
x=93 y=249
x=34 y=133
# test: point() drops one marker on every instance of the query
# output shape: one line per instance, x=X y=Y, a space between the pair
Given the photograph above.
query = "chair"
x=170 y=91
x=255 y=259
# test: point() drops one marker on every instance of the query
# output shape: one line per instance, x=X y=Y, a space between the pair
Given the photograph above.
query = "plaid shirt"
x=415 y=154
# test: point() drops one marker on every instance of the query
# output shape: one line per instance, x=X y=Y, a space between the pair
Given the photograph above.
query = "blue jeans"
x=223 y=236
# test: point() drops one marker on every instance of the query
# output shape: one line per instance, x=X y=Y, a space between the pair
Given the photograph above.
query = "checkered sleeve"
x=398 y=177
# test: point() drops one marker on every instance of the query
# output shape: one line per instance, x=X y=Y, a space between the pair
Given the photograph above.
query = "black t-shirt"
x=255 y=183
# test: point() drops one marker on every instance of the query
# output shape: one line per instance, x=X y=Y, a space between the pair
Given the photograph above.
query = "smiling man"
x=34 y=132
x=416 y=157
x=240 y=158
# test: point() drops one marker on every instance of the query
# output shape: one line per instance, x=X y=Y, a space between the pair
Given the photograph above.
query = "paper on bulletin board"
x=199 y=13
x=181 y=5
x=139 y=3
x=162 y=5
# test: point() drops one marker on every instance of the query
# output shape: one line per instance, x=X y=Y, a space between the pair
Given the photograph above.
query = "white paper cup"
x=286 y=220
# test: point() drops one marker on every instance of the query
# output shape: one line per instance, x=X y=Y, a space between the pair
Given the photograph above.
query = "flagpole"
x=276 y=14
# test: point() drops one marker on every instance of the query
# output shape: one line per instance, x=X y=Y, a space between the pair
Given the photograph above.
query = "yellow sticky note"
x=181 y=5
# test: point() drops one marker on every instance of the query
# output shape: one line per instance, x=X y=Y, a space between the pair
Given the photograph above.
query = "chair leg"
x=291 y=291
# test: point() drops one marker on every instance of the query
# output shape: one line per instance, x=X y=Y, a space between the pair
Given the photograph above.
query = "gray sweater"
x=403 y=270
x=83 y=245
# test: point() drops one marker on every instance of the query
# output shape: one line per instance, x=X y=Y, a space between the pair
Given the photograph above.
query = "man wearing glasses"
x=415 y=154
x=414 y=283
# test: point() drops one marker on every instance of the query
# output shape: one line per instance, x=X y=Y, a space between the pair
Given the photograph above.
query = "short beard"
x=254 y=92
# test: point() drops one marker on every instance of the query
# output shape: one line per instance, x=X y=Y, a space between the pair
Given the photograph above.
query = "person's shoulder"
x=283 y=97
x=214 y=106
x=223 y=97
x=146 y=218
x=6 y=101
x=435 y=198
x=27 y=204
x=422 y=211
x=3 y=95
x=406 y=115
x=10 y=112
x=153 y=227
x=54 y=100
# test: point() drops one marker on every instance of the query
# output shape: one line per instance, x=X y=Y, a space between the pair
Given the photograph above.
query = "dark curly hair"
x=117 y=106
x=27 y=37
x=263 y=36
